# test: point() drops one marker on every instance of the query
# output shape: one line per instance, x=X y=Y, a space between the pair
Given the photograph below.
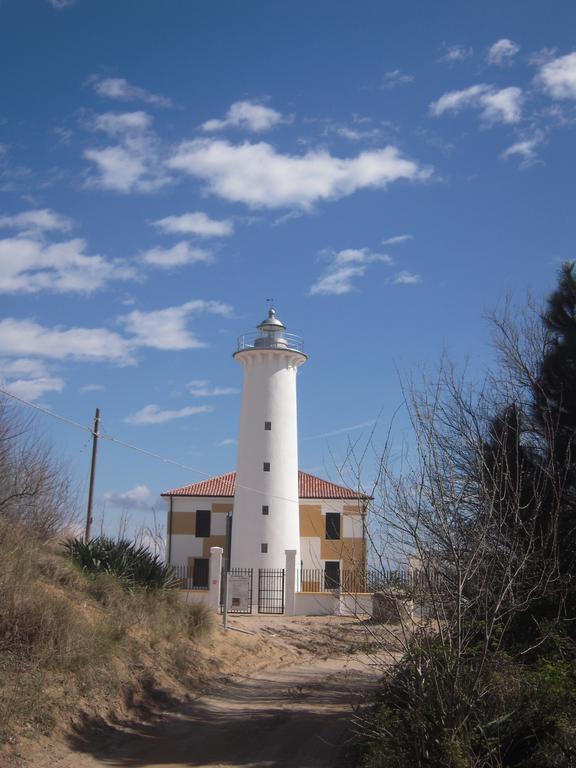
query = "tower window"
x=267 y=426
x=264 y=548
x=332 y=525
x=266 y=466
x=202 y=523
x=265 y=509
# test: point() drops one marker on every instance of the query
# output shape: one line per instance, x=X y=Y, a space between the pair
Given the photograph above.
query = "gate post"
x=290 y=584
x=215 y=574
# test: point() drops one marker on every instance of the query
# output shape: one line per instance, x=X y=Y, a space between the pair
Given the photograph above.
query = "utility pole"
x=226 y=569
x=95 y=436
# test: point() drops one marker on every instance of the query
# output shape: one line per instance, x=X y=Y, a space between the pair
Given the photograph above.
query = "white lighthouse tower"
x=265 y=520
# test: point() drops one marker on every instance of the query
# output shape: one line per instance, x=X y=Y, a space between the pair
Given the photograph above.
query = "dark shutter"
x=331 y=575
x=200 y=572
x=202 y=523
x=332 y=525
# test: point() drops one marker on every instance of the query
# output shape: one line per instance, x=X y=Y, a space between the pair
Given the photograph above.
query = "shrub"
x=134 y=565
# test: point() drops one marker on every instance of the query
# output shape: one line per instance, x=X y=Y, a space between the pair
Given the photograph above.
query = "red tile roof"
x=309 y=487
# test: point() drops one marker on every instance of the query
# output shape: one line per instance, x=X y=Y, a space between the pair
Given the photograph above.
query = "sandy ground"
x=294 y=713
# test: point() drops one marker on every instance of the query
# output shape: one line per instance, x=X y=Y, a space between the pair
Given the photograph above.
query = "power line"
x=103 y=436
x=131 y=446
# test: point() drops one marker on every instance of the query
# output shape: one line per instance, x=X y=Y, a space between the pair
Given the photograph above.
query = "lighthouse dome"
x=271 y=334
x=271 y=323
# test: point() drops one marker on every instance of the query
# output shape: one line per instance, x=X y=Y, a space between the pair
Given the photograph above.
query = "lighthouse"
x=265 y=519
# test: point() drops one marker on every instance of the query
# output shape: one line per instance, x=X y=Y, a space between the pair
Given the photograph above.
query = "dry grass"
x=67 y=640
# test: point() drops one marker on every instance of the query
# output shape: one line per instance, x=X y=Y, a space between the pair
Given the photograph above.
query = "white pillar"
x=290 y=583
x=215 y=574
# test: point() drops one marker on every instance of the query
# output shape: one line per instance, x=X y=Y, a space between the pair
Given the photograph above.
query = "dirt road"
x=290 y=718
x=293 y=716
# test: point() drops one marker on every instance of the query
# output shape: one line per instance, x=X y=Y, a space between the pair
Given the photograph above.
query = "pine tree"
x=511 y=479
x=555 y=388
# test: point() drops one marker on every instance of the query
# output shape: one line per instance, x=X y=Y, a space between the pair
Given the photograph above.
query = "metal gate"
x=271 y=590
x=239 y=590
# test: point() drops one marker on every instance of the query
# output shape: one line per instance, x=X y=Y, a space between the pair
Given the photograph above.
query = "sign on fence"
x=239 y=593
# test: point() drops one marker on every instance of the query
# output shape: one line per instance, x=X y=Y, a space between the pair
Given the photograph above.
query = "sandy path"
x=295 y=717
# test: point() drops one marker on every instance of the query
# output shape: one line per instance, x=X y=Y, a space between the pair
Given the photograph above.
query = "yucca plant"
x=134 y=565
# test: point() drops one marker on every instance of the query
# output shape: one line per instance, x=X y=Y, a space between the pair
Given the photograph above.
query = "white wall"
x=352 y=526
x=355 y=605
x=268 y=394
x=183 y=547
x=315 y=604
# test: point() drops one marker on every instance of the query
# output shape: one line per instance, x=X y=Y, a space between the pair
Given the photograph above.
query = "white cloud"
x=395 y=77
x=152 y=414
x=120 y=123
x=92 y=388
x=345 y=266
x=495 y=106
x=23 y=366
x=261 y=177
x=541 y=57
x=33 y=389
x=342 y=430
x=133 y=166
x=502 y=52
x=202 y=388
x=397 y=239
x=226 y=441
x=176 y=256
x=407 y=278
x=504 y=106
x=30 y=266
x=247 y=115
x=525 y=150
x=354 y=134
x=36 y=221
x=119 y=89
x=558 y=77
x=139 y=497
x=455 y=53
x=168 y=328
x=196 y=223
x=26 y=337
x=165 y=329
x=61 y=4
x=135 y=163
x=337 y=281
x=63 y=134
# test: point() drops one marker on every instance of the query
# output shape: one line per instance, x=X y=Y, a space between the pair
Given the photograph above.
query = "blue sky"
x=385 y=171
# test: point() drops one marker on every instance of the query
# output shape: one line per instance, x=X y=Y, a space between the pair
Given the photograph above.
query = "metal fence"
x=185 y=576
x=371 y=580
x=271 y=590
